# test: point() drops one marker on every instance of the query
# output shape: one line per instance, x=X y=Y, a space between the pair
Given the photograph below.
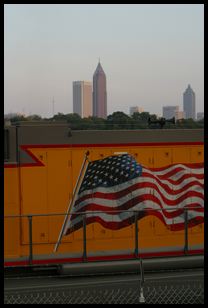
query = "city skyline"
x=148 y=58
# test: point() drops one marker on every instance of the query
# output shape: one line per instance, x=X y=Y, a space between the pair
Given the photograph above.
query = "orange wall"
x=11 y=207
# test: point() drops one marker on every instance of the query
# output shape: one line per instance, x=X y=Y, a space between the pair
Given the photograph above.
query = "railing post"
x=141 y=296
x=185 y=231
x=30 y=240
x=84 y=238
x=136 y=251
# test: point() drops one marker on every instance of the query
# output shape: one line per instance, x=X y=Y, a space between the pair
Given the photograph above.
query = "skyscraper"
x=99 y=93
x=82 y=98
x=170 y=111
x=189 y=103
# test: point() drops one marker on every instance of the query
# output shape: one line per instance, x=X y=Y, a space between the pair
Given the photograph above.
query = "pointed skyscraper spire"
x=99 y=92
x=99 y=69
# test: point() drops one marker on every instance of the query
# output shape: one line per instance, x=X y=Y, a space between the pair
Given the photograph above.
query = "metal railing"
x=144 y=291
x=30 y=218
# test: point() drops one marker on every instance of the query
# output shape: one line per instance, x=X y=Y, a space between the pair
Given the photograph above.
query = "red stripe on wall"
x=104 y=258
x=10 y=165
x=37 y=162
x=84 y=145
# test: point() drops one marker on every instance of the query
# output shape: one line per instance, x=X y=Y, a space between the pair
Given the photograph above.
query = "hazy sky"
x=150 y=53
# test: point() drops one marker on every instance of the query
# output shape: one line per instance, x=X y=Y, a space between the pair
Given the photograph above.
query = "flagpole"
x=72 y=200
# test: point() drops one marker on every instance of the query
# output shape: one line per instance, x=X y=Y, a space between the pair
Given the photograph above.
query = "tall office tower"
x=99 y=93
x=82 y=98
x=189 y=103
x=170 y=111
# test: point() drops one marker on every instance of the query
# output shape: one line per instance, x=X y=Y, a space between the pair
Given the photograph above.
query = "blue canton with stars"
x=110 y=171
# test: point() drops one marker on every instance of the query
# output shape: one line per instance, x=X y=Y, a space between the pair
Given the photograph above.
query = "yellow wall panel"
x=11 y=207
x=143 y=155
x=162 y=157
x=59 y=187
x=196 y=154
x=181 y=154
x=35 y=200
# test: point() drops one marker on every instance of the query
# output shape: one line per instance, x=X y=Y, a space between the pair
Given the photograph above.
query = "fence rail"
x=31 y=217
x=190 y=291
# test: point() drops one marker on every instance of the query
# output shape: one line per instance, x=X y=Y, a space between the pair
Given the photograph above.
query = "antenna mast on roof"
x=53 y=105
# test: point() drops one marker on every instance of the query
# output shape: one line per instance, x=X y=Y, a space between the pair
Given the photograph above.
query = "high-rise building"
x=189 y=103
x=99 y=93
x=82 y=98
x=170 y=111
x=135 y=109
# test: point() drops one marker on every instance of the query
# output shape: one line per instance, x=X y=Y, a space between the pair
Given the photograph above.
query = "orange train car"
x=42 y=164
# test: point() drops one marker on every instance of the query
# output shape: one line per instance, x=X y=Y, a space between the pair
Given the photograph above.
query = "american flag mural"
x=114 y=187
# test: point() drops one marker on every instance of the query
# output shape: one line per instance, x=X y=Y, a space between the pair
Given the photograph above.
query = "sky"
x=149 y=52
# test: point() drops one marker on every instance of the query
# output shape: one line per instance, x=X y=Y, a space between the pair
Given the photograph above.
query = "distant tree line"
x=117 y=120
